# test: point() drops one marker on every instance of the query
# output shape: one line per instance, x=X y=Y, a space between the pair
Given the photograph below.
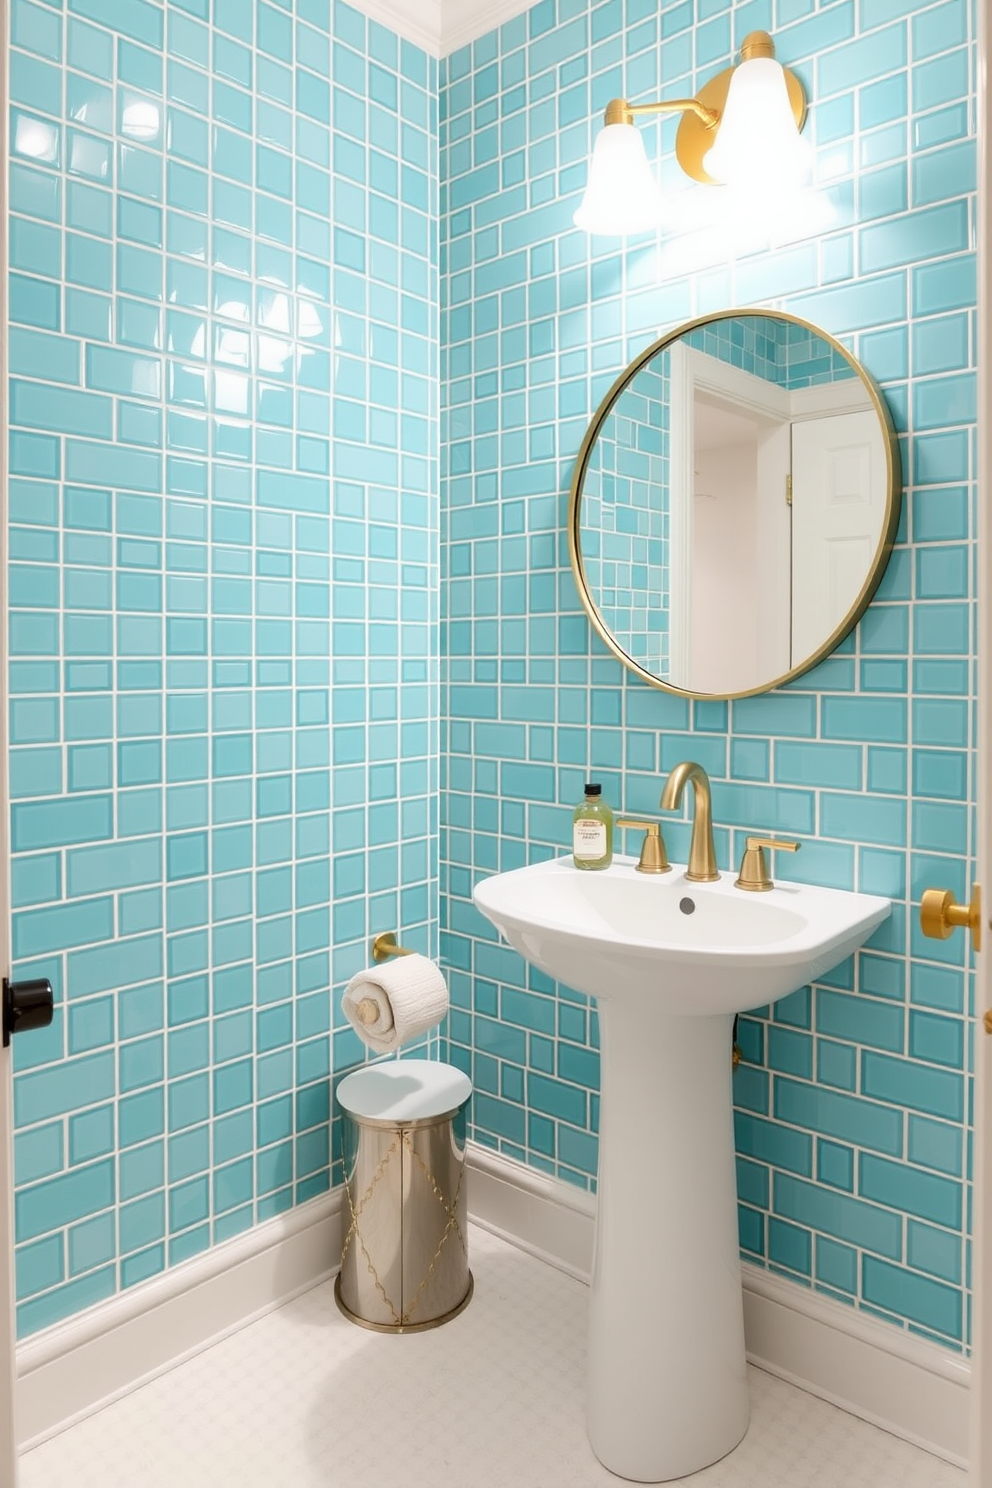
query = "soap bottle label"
x=589 y=838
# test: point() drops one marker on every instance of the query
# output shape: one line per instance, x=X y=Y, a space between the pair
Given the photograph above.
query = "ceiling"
x=442 y=26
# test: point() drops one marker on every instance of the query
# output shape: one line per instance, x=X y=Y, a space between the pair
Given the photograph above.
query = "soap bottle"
x=592 y=831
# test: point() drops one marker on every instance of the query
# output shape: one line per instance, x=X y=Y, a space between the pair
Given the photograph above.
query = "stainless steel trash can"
x=404 y=1260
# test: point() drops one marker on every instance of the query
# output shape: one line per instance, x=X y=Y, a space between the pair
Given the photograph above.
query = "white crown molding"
x=418 y=21
x=463 y=21
x=906 y=1385
x=442 y=26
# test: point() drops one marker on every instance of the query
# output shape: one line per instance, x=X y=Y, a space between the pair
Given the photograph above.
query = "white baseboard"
x=547 y=1218
x=79 y=1366
x=908 y=1386
x=913 y=1388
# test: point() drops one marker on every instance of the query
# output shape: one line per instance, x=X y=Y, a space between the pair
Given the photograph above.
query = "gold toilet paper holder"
x=383 y=947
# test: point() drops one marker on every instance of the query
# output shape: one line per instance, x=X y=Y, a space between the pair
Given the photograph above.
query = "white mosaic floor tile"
x=304 y=1399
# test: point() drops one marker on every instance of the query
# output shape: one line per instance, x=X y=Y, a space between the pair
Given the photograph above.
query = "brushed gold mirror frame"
x=893 y=508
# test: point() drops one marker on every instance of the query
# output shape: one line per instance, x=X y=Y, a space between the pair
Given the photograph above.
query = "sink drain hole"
x=687 y=906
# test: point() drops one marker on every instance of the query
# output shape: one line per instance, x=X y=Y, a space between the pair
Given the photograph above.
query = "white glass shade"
x=621 y=195
x=758 y=144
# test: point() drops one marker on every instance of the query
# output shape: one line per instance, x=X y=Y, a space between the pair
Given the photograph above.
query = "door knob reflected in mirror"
x=940 y=914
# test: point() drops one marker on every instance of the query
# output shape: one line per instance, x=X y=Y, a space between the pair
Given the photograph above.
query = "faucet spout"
x=702 y=850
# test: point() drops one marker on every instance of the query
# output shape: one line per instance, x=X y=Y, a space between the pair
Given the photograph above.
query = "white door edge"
x=981 y=1337
x=680 y=517
x=8 y=1438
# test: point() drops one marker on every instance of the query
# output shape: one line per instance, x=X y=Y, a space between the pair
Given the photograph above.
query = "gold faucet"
x=702 y=852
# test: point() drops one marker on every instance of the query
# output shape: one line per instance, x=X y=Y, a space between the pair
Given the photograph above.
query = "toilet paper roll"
x=389 y=1004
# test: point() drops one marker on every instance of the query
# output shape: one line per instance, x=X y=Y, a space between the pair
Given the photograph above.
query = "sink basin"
x=692 y=949
x=670 y=962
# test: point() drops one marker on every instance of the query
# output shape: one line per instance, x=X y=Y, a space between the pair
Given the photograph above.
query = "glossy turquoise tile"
x=90 y=49
x=930 y=1091
x=835 y=1165
x=790 y=1246
x=53 y=824
x=944 y=285
x=91 y=1135
x=942 y=80
x=39 y=1266
x=38 y=1153
x=930 y=1303
x=860 y=1020
x=880 y=720
x=851 y=718
x=138 y=20
x=866 y=1226
x=924 y=1194
x=936 y=1039
x=35 y=82
x=35 y=193
x=935 y=1144
x=876 y=820
x=36 y=29
x=777 y=1145
x=35 y=302
x=59 y=1201
x=836 y=1264
x=940 y=773
x=839 y=1115
x=63 y=927
x=934 y=1251
x=944 y=400
x=941 y=721
x=142 y=1222
x=63 y=1301
x=939 y=827
x=931 y=232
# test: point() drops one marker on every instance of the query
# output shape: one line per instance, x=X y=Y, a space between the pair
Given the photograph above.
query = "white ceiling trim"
x=442 y=26
x=463 y=21
x=418 y=21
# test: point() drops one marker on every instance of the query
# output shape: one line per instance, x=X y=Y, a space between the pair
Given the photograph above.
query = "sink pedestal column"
x=667 y=1385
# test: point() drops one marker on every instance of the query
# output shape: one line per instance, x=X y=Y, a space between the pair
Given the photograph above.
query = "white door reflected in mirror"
x=734 y=504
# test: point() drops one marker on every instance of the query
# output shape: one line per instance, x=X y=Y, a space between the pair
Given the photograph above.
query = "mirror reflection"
x=734 y=504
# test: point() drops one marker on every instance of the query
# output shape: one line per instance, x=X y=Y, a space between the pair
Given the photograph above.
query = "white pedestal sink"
x=670 y=963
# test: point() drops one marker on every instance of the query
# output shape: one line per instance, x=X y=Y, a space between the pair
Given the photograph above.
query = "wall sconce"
x=742 y=131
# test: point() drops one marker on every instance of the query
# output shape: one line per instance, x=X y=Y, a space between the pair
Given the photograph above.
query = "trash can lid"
x=404 y=1090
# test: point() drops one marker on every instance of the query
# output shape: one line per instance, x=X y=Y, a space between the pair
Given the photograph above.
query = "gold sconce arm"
x=701 y=116
x=619 y=111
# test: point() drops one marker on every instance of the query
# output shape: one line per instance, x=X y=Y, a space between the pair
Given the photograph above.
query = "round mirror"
x=734 y=504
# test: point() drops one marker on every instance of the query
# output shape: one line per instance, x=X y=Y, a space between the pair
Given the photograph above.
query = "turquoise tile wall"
x=625 y=547
x=854 y=1098
x=223 y=589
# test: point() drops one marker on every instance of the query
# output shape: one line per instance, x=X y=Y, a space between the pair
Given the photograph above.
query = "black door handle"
x=26 y=1005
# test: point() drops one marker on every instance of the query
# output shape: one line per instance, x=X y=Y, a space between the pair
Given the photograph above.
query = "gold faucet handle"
x=654 y=858
x=754 y=875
